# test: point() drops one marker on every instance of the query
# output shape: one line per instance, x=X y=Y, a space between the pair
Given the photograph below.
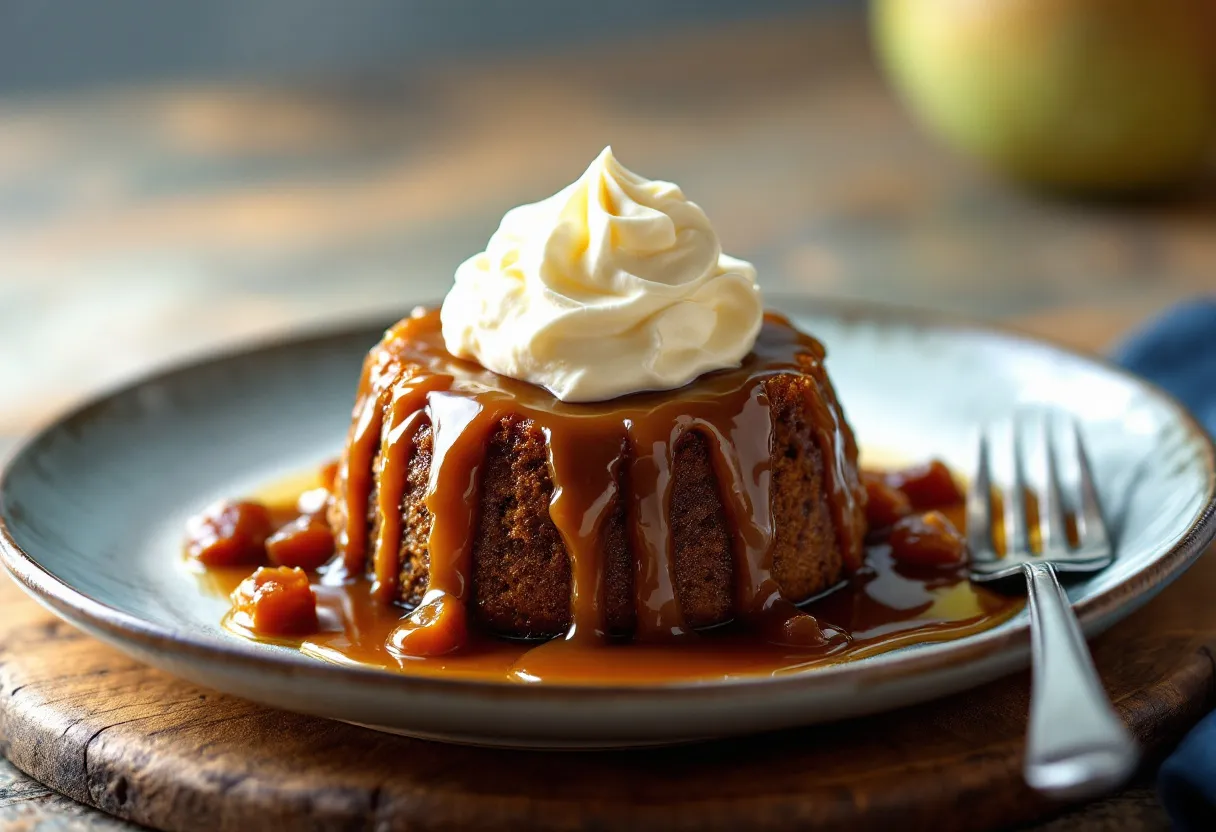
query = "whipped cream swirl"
x=614 y=285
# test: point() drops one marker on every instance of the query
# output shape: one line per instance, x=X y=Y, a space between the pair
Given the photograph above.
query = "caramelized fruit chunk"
x=884 y=504
x=801 y=630
x=229 y=534
x=304 y=542
x=437 y=627
x=928 y=539
x=926 y=486
x=781 y=622
x=276 y=601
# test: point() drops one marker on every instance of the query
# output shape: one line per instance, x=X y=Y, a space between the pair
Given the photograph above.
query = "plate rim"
x=123 y=628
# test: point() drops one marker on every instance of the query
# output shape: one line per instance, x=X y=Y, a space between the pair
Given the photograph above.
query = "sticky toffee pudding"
x=599 y=462
x=480 y=527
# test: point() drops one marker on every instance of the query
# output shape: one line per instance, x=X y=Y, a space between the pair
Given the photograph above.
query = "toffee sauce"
x=882 y=607
x=411 y=379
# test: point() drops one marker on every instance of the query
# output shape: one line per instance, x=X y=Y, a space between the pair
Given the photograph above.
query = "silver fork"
x=1076 y=746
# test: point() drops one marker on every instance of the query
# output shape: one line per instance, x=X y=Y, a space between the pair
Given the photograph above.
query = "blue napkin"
x=1178 y=352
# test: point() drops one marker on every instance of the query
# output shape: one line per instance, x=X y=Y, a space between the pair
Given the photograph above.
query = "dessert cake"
x=646 y=515
x=599 y=437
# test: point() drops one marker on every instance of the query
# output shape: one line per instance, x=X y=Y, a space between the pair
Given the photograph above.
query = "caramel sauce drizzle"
x=880 y=608
x=411 y=380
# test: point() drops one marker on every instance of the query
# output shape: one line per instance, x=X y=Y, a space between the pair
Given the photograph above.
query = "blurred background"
x=176 y=176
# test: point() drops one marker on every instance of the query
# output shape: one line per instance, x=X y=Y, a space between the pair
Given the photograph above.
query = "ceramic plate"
x=92 y=511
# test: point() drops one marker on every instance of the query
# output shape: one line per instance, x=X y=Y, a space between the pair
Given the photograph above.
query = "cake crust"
x=517 y=565
x=521 y=568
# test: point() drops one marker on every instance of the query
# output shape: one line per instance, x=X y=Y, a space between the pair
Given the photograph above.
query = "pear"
x=1084 y=95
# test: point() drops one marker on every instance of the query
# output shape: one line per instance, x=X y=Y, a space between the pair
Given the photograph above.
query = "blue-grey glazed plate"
x=92 y=511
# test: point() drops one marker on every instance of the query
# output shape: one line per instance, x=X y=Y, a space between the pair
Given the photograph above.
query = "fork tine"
x=1016 y=537
x=979 y=504
x=1091 y=528
x=1052 y=529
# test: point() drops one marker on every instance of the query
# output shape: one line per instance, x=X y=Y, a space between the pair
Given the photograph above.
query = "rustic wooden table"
x=138 y=226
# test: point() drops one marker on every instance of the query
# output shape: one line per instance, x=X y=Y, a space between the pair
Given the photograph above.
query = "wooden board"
x=112 y=733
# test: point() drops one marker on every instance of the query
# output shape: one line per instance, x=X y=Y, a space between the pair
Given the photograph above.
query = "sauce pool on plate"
x=913 y=589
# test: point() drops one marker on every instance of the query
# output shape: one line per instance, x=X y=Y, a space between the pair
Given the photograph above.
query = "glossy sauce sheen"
x=882 y=607
x=411 y=380
x=916 y=593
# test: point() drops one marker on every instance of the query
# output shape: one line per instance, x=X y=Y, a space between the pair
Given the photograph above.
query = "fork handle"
x=1076 y=745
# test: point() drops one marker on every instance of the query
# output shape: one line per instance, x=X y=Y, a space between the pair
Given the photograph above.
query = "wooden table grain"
x=142 y=226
